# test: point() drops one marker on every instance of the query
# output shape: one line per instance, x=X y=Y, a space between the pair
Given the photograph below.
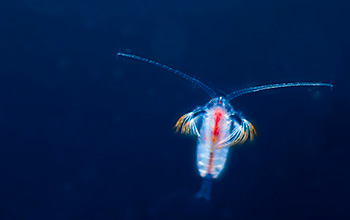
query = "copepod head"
x=220 y=102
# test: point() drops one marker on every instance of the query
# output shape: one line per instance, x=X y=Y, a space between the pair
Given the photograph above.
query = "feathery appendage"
x=186 y=125
x=238 y=135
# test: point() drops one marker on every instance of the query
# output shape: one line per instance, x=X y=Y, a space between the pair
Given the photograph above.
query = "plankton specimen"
x=217 y=125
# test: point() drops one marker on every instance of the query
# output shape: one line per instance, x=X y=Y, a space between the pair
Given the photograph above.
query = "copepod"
x=217 y=125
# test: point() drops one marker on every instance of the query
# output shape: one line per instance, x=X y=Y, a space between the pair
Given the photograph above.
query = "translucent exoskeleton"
x=217 y=125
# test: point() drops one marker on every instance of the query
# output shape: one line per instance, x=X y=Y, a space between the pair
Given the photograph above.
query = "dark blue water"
x=86 y=136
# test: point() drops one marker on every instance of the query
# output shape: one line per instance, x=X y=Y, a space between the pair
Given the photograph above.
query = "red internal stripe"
x=217 y=118
x=214 y=135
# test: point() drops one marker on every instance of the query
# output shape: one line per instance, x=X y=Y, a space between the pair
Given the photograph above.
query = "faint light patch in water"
x=117 y=119
x=3 y=118
x=57 y=8
x=117 y=74
x=88 y=171
x=91 y=16
x=316 y=95
x=103 y=15
x=226 y=214
x=169 y=40
x=318 y=184
x=279 y=171
x=29 y=47
x=182 y=202
x=67 y=186
x=64 y=63
x=131 y=31
x=321 y=95
x=130 y=213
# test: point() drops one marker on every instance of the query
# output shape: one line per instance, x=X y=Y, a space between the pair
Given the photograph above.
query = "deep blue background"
x=86 y=136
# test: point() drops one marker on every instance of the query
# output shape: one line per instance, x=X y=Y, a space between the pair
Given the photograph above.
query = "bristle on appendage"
x=186 y=125
x=239 y=135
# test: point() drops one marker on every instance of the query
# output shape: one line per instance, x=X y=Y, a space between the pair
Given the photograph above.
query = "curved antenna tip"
x=274 y=86
x=193 y=80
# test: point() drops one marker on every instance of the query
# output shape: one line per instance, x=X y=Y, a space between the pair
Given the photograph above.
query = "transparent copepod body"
x=220 y=102
x=216 y=125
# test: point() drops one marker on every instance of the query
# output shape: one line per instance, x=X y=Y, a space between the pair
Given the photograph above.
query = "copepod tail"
x=205 y=188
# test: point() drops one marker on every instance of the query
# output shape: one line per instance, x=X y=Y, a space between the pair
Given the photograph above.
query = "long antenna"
x=272 y=86
x=195 y=81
